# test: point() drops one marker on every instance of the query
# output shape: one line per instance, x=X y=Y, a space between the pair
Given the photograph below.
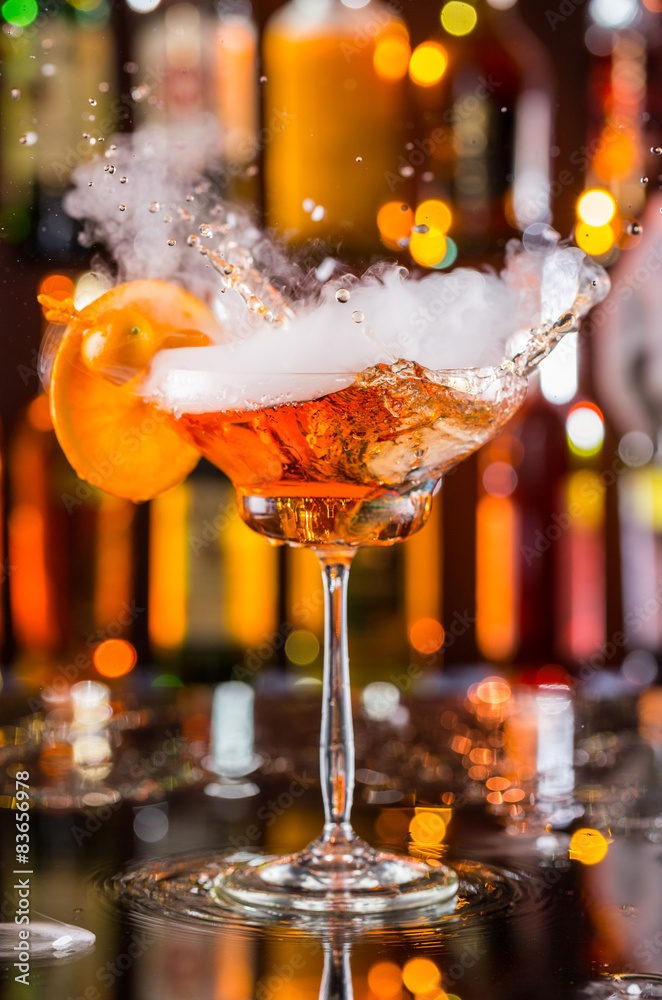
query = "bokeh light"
x=428 y=249
x=596 y=207
x=114 y=657
x=434 y=214
x=385 y=980
x=585 y=429
x=58 y=286
x=428 y=828
x=588 y=846
x=428 y=64
x=458 y=18
x=394 y=221
x=594 y=240
x=613 y=13
x=20 y=12
x=39 y=413
x=493 y=691
x=391 y=57
x=302 y=647
x=420 y=975
x=427 y=635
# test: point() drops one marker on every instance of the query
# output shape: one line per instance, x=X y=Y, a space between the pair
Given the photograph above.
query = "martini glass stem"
x=337 y=732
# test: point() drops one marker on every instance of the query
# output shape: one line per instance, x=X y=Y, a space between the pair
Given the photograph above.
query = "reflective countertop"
x=562 y=918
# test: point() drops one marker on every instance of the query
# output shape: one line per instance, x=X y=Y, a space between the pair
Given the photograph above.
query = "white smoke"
x=460 y=319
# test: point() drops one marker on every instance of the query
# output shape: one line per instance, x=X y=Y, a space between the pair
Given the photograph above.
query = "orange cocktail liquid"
x=357 y=466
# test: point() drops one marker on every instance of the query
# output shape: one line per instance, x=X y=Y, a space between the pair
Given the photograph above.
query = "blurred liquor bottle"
x=547 y=553
x=213 y=585
x=71 y=552
x=334 y=117
x=59 y=105
x=482 y=85
x=629 y=372
x=195 y=73
x=70 y=559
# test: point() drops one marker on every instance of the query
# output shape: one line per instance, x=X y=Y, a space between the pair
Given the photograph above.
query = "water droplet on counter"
x=154 y=206
x=171 y=242
x=357 y=316
x=342 y=295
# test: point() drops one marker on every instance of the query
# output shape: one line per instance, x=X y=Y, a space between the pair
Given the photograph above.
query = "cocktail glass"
x=353 y=467
x=333 y=462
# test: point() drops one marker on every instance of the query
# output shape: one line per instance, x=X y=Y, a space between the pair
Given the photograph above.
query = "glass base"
x=337 y=876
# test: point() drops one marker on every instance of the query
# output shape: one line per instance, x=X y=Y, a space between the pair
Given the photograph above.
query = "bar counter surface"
x=560 y=923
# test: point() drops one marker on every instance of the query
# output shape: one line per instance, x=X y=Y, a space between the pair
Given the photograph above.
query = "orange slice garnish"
x=112 y=438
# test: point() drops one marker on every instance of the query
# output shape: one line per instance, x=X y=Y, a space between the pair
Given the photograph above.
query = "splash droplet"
x=15 y=94
x=167 y=218
x=192 y=240
x=406 y=170
x=206 y=230
x=357 y=316
x=154 y=206
x=122 y=208
x=109 y=168
x=359 y=159
x=263 y=79
x=634 y=228
x=317 y=213
x=123 y=180
x=421 y=228
x=112 y=147
x=342 y=295
x=657 y=150
x=644 y=180
x=171 y=242
x=190 y=197
x=92 y=101
x=90 y=184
